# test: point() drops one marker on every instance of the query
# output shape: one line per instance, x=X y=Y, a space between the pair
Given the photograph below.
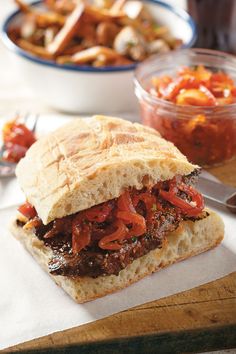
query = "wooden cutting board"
x=200 y=319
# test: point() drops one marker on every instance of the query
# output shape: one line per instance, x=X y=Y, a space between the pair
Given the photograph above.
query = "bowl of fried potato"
x=80 y=56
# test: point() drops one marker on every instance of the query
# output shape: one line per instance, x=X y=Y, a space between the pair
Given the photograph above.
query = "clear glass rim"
x=143 y=94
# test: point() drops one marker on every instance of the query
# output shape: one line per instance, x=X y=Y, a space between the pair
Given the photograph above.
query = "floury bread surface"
x=89 y=161
x=191 y=238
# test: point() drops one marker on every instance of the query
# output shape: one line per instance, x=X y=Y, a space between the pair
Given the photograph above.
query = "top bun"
x=89 y=161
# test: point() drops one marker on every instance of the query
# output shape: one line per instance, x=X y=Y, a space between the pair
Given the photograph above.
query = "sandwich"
x=109 y=202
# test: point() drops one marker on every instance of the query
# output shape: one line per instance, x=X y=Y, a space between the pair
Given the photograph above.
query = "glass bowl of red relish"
x=189 y=96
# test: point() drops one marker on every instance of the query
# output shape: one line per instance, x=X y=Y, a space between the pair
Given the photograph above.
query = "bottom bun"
x=190 y=239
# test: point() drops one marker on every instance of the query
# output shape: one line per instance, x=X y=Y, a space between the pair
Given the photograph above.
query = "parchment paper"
x=31 y=305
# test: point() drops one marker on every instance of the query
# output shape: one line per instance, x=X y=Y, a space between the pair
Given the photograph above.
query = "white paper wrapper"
x=31 y=305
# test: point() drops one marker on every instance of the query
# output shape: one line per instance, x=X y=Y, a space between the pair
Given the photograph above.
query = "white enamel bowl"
x=78 y=89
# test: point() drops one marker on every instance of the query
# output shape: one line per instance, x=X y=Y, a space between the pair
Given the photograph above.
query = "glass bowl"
x=206 y=135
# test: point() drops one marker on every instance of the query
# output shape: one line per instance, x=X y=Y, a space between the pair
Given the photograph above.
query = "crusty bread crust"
x=90 y=161
x=191 y=238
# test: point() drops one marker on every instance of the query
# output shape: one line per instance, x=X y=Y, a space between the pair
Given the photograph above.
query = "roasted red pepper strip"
x=98 y=213
x=138 y=223
x=195 y=195
x=183 y=205
x=125 y=221
x=209 y=140
x=13 y=152
x=125 y=203
x=196 y=97
x=17 y=139
x=27 y=210
x=18 y=133
x=173 y=89
x=109 y=242
x=195 y=87
x=81 y=235
x=150 y=202
x=148 y=199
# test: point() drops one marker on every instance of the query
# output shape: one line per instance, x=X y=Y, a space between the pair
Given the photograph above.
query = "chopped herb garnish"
x=155 y=26
x=154 y=207
x=134 y=239
x=68 y=62
x=131 y=43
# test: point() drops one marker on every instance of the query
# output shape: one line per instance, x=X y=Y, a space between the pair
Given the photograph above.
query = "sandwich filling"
x=104 y=239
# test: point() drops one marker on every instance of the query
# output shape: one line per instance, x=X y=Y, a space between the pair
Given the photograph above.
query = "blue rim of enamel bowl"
x=108 y=69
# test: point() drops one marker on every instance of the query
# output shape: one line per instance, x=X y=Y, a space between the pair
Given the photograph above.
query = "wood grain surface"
x=200 y=319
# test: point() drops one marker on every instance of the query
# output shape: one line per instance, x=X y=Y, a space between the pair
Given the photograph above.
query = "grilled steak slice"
x=94 y=262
